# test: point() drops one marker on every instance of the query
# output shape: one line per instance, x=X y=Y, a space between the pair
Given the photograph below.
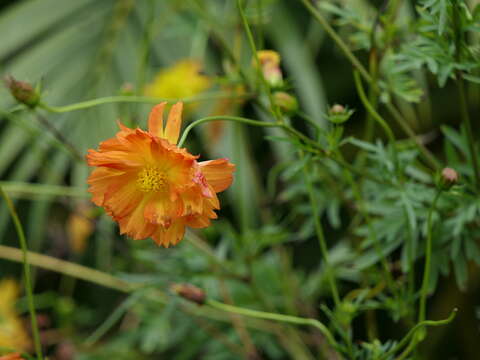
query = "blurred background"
x=85 y=49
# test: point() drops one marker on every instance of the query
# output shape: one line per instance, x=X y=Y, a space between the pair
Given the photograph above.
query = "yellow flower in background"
x=181 y=80
x=12 y=332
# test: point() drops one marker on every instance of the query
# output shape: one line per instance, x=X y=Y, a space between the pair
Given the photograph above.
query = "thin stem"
x=321 y=237
x=468 y=127
x=69 y=268
x=414 y=330
x=20 y=188
x=227 y=118
x=428 y=256
x=253 y=48
x=26 y=270
x=112 y=282
x=137 y=99
x=276 y=317
x=366 y=76
x=376 y=116
x=59 y=136
x=338 y=40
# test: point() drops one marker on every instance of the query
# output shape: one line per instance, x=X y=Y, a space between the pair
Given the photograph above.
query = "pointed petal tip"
x=155 y=119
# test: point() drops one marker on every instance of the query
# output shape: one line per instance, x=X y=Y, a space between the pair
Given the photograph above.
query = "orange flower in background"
x=151 y=187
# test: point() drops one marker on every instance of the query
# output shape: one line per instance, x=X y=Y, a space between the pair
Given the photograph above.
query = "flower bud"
x=286 y=102
x=448 y=178
x=189 y=292
x=23 y=92
x=270 y=65
x=338 y=114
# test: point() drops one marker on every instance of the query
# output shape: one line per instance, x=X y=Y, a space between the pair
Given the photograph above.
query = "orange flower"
x=151 y=187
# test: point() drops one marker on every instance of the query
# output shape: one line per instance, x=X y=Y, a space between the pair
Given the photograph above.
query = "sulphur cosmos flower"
x=153 y=188
x=181 y=80
x=12 y=333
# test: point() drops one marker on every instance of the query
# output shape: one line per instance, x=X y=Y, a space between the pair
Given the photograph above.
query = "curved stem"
x=26 y=270
x=227 y=118
x=276 y=317
x=414 y=330
x=376 y=116
x=135 y=99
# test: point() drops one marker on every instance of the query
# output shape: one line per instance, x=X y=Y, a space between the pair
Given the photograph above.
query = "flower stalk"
x=26 y=271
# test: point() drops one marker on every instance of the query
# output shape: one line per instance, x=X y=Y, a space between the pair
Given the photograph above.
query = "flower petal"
x=161 y=210
x=99 y=180
x=218 y=173
x=134 y=225
x=155 y=120
x=171 y=235
x=174 y=122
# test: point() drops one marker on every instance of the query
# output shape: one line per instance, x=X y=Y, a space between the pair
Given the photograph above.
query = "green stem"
x=227 y=118
x=60 y=138
x=253 y=48
x=338 y=40
x=366 y=76
x=428 y=256
x=26 y=270
x=468 y=127
x=372 y=96
x=376 y=116
x=14 y=187
x=136 y=99
x=321 y=237
x=68 y=268
x=276 y=317
x=109 y=281
x=414 y=330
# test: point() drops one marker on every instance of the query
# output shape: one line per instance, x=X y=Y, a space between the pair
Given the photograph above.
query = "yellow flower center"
x=151 y=179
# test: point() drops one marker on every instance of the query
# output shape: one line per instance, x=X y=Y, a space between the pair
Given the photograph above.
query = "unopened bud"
x=338 y=114
x=448 y=178
x=286 y=102
x=268 y=57
x=22 y=91
x=189 y=292
x=337 y=109
x=270 y=65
